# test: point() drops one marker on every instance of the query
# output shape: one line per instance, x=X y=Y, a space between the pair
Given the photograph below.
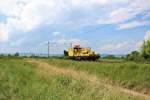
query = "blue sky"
x=108 y=26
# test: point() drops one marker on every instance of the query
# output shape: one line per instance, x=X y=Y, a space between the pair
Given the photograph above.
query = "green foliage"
x=134 y=56
x=110 y=57
x=145 y=50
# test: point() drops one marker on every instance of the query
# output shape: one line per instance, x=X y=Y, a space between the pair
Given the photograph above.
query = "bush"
x=134 y=56
x=145 y=50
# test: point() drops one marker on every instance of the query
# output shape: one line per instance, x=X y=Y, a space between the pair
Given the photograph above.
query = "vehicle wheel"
x=78 y=58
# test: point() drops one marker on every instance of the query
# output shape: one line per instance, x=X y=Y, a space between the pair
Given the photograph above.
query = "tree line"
x=142 y=54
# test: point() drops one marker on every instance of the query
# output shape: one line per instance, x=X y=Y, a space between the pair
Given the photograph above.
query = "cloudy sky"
x=108 y=26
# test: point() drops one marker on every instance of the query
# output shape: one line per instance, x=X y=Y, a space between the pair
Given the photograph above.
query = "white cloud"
x=133 y=24
x=88 y=3
x=147 y=35
x=91 y=3
x=61 y=39
x=3 y=33
x=128 y=11
x=73 y=41
x=27 y=15
x=121 y=48
x=138 y=45
x=117 y=15
x=112 y=47
x=56 y=33
x=146 y=16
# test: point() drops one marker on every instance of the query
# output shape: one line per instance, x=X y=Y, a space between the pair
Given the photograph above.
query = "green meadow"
x=128 y=74
x=21 y=79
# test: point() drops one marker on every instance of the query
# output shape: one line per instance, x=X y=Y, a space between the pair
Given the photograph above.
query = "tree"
x=2 y=55
x=16 y=54
x=9 y=55
x=134 y=56
x=145 y=50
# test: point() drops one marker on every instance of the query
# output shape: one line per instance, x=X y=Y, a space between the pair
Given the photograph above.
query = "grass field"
x=21 y=79
x=131 y=75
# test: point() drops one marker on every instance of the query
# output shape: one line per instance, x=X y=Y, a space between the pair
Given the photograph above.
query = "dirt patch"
x=45 y=69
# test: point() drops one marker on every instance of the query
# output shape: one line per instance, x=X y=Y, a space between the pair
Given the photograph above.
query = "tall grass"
x=19 y=80
x=131 y=75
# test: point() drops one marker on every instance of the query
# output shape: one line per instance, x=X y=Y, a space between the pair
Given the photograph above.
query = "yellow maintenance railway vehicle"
x=79 y=53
